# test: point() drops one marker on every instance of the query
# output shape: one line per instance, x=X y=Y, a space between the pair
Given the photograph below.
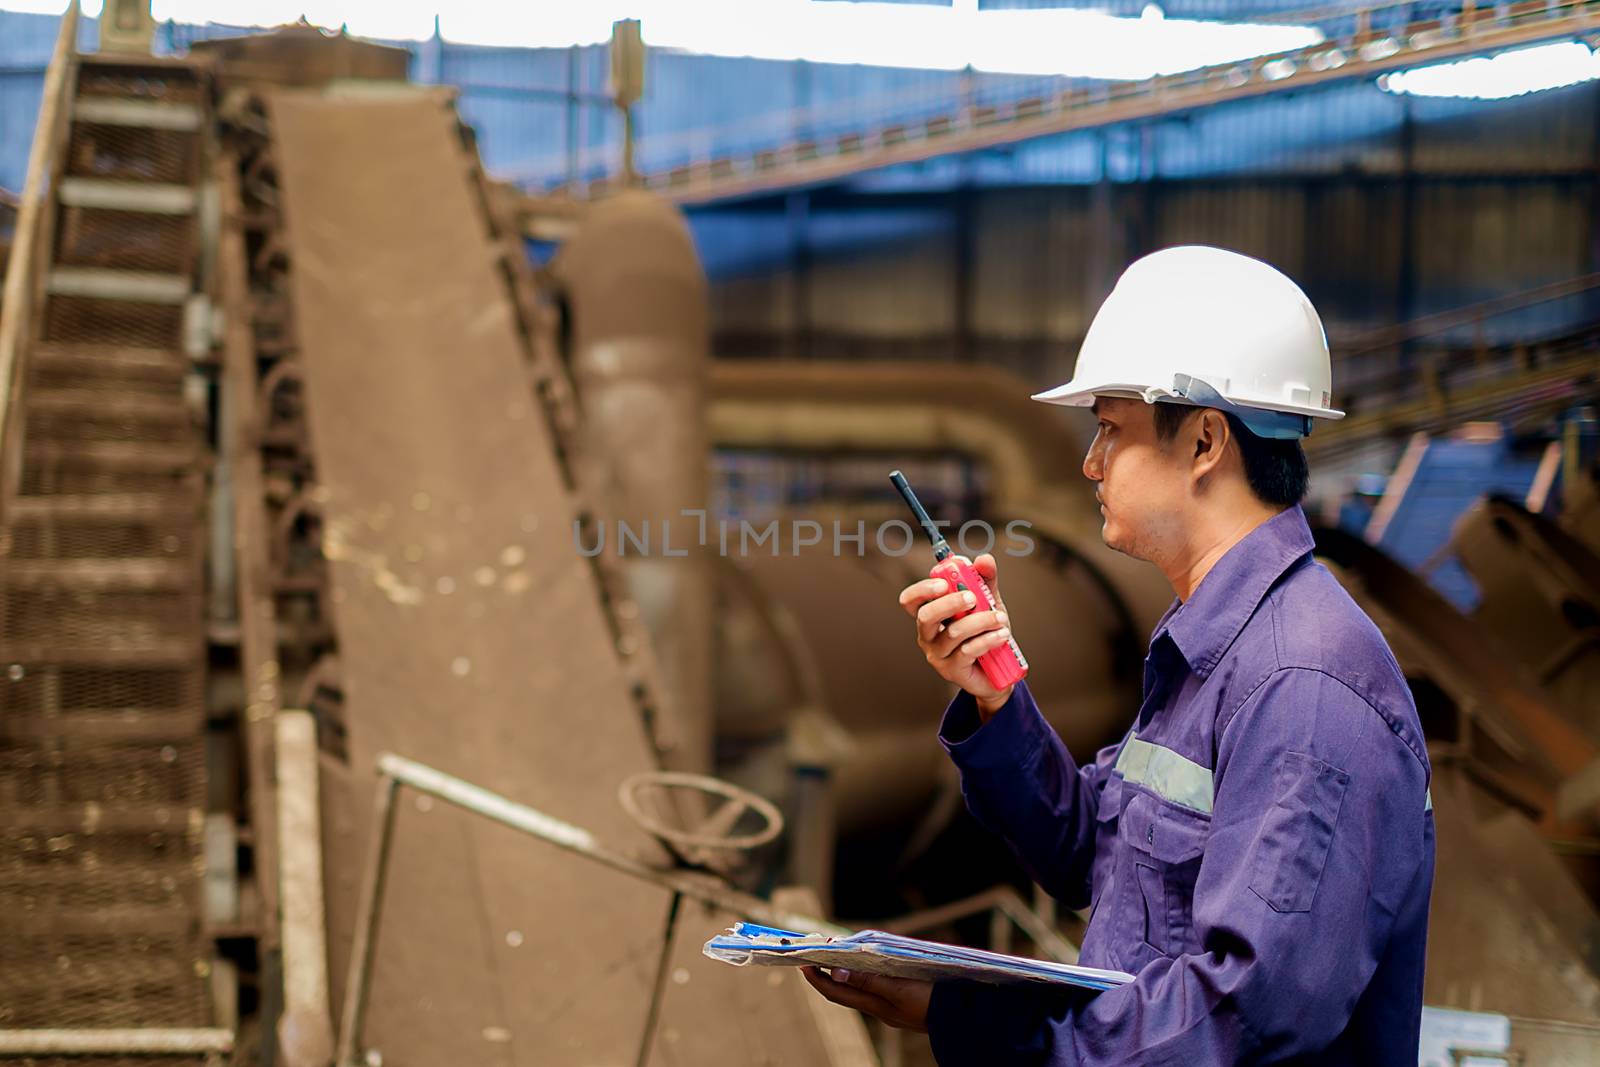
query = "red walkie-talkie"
x=1004 y=666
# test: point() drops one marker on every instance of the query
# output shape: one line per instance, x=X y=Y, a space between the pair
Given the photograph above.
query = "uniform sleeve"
x=1022 y=784
x=1318 y=835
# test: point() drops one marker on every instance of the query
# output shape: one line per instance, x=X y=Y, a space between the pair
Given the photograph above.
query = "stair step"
x=148 y=982
x=110 y=361
x=131 y=457
x=155 y=198
x=84 y=871
x=106 y=882
x=150 y=115
x=132 y=286
x=57 y=473
x=126 y=418
x=109 y=618
x=109 y=403
x=92 y=818
x=149 y=725
x=183 y=68
x=161 y=653
x=133 y=575
x=155 y=525
x=157 y=920
x=108 y=507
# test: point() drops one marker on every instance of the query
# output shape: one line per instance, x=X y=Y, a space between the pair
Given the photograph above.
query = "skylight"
x=1044 y=41
x=1526 y=70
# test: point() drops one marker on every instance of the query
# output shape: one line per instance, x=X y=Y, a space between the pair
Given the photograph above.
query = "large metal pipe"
x=1033 y=453
x=638 y=353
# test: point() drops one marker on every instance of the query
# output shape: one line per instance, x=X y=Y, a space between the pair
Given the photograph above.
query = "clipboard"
x=876 y=952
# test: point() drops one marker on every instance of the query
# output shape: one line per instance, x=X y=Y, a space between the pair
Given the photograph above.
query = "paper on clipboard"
x=876 y=952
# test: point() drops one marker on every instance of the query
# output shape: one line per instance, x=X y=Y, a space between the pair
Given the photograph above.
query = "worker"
x=1257 y=851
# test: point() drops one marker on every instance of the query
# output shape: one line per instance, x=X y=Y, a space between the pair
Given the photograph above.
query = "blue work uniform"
x=1258 y=850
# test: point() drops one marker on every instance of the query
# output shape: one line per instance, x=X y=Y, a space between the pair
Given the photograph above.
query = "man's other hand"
x=899 y=1002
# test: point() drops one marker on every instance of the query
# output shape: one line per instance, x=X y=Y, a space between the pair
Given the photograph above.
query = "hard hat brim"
x=1078 y=394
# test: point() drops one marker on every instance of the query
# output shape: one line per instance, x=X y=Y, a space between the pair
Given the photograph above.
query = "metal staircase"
x=1360 y=42
x=102 y=639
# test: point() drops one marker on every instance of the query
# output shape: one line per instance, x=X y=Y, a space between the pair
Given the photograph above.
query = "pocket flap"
x=1163 y=831
x=1180 y=836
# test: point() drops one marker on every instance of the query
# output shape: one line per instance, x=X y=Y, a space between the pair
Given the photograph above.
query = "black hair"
x=1276 y=469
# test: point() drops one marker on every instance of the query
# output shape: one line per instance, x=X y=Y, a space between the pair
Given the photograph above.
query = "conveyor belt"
x=471 y=632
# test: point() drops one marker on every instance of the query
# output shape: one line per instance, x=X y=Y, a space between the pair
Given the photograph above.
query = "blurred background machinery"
x=426 y=398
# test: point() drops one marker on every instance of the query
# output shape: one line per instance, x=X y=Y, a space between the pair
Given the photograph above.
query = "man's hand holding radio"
x=953 y=650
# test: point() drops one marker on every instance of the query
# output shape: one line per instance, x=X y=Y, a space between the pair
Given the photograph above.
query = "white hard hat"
x=1208 y=327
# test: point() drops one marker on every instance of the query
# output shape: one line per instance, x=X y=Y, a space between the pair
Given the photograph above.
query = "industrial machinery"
x=309 y=474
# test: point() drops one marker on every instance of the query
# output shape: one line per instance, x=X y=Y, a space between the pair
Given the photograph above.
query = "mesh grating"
x=66 y=690
x=99 y=617
x=133 y=154
x=104 y=981
x=35 y=775
x=107 y=1061
x=63 y=475
x=127 y=240
x=116 y=869
x=102 y=647
x=153 y=84
x=136 y=371
x=82 y=420
x=87 y=320
x=69 y=536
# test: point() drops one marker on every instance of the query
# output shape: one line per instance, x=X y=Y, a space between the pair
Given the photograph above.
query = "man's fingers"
x=985 y=642
x=932 y=614
x=913 y=596
x=847 y=993
x=971 y=626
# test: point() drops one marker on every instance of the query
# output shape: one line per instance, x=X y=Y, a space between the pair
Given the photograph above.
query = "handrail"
x=1358 y=49
x=972 y=85
x=396 y=771
x=1440 y=321
x=35 y=224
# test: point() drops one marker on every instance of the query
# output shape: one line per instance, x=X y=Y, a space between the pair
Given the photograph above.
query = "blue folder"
x=875 y=952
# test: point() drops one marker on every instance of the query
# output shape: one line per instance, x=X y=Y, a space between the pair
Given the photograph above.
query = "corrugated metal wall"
x=1032 y=274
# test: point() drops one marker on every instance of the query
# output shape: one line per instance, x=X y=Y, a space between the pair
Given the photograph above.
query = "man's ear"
x=1209 y=436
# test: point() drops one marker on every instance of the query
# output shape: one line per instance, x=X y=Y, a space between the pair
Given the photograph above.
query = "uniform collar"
x=1204 y=626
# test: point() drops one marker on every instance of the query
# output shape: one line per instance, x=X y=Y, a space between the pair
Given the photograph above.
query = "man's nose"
x=1093 y=469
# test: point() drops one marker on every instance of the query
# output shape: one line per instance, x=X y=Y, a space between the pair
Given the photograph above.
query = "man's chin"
x=1114 y=539
x=1109 y=536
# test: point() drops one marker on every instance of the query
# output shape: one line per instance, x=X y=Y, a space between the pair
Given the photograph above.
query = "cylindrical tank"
x=638 y=352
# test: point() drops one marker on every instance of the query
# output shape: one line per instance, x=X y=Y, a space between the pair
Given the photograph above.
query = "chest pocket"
x=1163 y=845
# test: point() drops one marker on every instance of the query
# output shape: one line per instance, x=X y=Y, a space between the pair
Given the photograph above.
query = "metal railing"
x=1475 y=316
x=396 y=771
x=31 y=245
x=1358 y=42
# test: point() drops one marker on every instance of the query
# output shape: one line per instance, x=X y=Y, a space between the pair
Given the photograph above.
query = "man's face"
x=1141 y=482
